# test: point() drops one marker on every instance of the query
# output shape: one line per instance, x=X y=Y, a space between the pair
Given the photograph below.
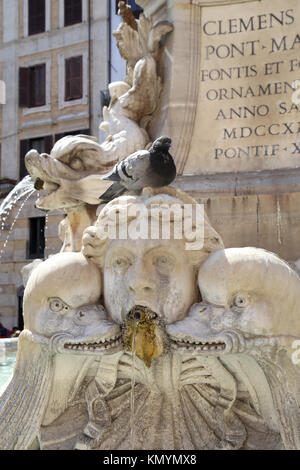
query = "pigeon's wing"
x=115 y=190
x=134 y=167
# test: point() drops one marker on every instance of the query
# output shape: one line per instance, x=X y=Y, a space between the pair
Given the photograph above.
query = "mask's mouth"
x=141 y=313
x=143 y=333
x=143 y=307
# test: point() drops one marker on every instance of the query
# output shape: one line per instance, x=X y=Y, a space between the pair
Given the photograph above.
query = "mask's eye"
x=57 y=305
x=121 y=264
x=164 y=263
x=240 y=301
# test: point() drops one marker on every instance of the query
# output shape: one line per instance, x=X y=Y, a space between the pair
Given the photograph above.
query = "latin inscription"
x=250 y=84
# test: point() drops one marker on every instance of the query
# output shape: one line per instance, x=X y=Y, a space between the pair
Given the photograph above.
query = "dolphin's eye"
x=240 y=301
x=76 y=164
x=57 y=305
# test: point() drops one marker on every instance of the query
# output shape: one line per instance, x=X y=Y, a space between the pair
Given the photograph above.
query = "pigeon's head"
x=162 y=142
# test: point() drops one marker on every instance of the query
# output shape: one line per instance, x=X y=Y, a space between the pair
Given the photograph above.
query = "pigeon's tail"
x=115 y=190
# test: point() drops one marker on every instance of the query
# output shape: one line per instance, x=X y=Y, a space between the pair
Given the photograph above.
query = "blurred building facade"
x=56 y=60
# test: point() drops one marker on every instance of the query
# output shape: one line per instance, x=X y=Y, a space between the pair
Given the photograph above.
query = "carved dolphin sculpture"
x=250 y=318
x=65 y=331
x=71 y=175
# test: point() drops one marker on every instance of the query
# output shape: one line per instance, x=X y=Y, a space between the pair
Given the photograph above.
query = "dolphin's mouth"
x=49 y=175
x=47 y=194
x=224 y=342
x=105 y=343
x=45 y=188
x=229 y=341
x=192 y=344
x=94 y=346
x=40 y=167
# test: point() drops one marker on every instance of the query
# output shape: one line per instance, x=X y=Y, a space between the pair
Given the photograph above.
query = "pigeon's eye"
x=239 y=301
x=57 y=305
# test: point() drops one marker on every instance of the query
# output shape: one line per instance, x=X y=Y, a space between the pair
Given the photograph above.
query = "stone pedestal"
x=230 y=103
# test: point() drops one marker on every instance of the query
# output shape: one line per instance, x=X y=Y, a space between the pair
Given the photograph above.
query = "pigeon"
x=154 y=167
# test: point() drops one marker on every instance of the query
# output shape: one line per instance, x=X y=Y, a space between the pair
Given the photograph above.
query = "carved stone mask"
x=154 y=273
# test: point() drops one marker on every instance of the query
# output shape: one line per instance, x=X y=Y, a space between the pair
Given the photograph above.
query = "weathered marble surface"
x=217 y=364
x=224 y=378
x=69 y=178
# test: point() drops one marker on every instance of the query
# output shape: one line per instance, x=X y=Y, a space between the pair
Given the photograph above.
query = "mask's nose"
x=141 y=282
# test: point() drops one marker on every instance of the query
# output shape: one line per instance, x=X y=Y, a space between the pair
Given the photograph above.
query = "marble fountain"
x=142 y=343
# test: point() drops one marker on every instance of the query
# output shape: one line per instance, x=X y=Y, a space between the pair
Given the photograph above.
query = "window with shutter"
x=36 y=245
x=63 y=134
x=24 y=87
x=73 y=74
x=32 y=86
x=36 y=16
x=20 y=294
x=73 y=12
x=59 y=136
x=24 y=148
x=38 y=144
x=38 y=85
x=48 y=143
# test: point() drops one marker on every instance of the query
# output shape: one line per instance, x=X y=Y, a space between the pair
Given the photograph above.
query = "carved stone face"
x=156 y=274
